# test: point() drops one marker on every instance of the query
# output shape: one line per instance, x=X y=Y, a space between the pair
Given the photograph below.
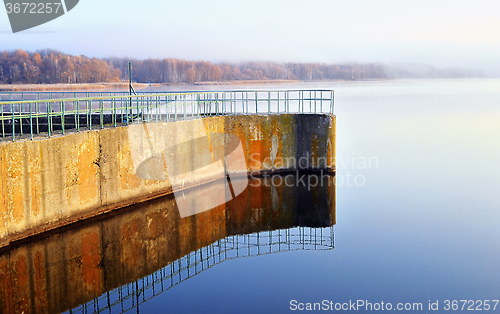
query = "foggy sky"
x=442 y=33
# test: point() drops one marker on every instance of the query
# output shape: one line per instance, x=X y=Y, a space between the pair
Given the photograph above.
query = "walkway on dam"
x=26 y=115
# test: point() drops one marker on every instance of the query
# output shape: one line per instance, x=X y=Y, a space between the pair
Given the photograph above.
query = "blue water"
x=418 y=208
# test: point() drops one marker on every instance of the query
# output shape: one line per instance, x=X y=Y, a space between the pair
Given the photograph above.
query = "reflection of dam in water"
x=132 y=295
x=114 y=264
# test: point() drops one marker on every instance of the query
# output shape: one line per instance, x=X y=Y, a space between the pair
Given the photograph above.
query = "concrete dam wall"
x=49 y=183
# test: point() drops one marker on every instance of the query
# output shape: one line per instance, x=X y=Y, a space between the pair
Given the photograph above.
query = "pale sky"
x=441 y=33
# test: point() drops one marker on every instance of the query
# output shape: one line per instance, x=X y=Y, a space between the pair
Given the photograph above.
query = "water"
x=417 y=208
x=422 y=224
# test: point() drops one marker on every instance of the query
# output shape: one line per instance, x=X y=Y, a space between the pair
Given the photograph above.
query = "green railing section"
x=25 y=114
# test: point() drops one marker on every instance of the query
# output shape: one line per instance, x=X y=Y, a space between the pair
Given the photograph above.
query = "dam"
x=208 y=173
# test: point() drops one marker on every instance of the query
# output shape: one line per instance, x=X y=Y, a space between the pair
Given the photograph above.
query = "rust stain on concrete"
x=15 y=182
x=88 y=167
x=128 y=179
x=35 y=179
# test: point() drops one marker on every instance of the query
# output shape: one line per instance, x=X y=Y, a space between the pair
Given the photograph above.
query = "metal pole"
x=130 y=87
x=62 y=115
x=269 y=102
x=101 y=114
x=21 y=115
x=157 y=109
x=13 y=123
x=184 y=105
x=36 y=110
x=256 y=105
x=332 y=103
x=278 y=102
x=114 y=111
x=31 y=122
x=77 y=115
x=3 y=124
x=48 y=117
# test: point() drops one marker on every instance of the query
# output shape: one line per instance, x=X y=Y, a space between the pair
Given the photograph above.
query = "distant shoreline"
x=59 y=86
x=241 y=82
x=86 y=86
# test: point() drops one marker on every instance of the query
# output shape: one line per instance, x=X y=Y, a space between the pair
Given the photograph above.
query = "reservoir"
x=410 y=217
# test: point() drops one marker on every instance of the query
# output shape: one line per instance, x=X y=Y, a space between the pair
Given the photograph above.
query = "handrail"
x=46 y=116
x=144 y=94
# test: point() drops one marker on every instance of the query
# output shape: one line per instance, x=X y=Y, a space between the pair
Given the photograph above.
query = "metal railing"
x=132 y=295
x=22 y=115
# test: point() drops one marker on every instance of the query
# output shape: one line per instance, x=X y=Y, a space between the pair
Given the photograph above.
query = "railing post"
x=114 y=111
x=216 y=104
x=301 y=99
x=184 y=105
x=269 y=102
x=13 y=123
x=175 y=108
x=167 y=107
x=48 y=118
x=256 y=104
x=101 y=112
x=3 y=124
x=310 y=101
x=315 y=100
x=246 y=101
x=332 y=102
x=31 y=122
x=89 y=114
x=37 y=106
x=233 y=102
x=137 y=113
x=21 y=115
x=62 y=115
x=198 y=105
x=77 y=117
x=223 y=103
x=278 y=102
x=287 y=102
x=155 y=104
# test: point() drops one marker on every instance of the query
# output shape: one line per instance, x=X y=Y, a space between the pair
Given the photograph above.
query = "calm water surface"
x=422 y=225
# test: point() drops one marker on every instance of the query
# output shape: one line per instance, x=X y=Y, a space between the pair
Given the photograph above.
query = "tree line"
x=52 y=66
x=182 y=71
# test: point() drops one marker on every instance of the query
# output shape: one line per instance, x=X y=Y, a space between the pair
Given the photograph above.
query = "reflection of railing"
x=33 y=113
x=133 y=294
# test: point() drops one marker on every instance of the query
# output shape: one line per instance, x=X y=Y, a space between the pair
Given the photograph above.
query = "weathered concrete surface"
x=53 y=182
x=72 y=267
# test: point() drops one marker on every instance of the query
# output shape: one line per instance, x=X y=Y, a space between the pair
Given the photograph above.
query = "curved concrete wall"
x=49 y=183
